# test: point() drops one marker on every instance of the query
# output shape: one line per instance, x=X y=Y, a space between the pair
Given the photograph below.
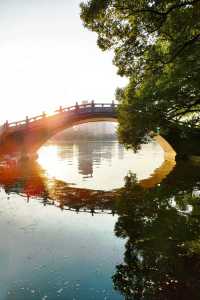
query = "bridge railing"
x=25 y=121
x=77 y=108
x=86 y=105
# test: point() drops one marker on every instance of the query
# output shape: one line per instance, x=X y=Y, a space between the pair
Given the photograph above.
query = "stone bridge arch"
x=28 y=135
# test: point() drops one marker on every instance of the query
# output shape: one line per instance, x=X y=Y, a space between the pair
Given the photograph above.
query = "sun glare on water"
x=98 y=166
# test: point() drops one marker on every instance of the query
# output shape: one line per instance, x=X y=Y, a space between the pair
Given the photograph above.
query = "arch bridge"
x=28 y=135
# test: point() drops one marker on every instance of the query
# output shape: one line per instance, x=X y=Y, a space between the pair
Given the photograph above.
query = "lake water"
x=99 y=164
x=141 y=244
x=50 y=254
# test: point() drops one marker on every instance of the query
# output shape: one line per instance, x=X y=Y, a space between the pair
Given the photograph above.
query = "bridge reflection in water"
x=27 y=178
x=160 y=226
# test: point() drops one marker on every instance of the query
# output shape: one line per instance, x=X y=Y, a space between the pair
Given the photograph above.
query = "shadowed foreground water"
x=133 y=243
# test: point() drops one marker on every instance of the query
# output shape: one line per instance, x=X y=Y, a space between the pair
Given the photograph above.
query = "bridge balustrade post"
x=77 y=106
x=27 y=120
x=6 y=125
x=60 y=109
x=92 y=105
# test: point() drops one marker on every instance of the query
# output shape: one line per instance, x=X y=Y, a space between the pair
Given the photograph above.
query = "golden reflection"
x=29 y=179
x=159 y=174
x=166 y=167
x=99 y=165
x=85 y=174
x=24 y=177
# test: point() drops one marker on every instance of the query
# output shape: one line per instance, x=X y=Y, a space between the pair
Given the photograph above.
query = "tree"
x=157 y=45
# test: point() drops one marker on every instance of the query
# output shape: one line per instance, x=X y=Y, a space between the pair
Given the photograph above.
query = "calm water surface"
x=134 y=244
x=48 y=254
x=98 y=164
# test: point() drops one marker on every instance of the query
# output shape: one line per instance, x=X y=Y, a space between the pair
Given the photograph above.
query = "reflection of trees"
x=162 y=227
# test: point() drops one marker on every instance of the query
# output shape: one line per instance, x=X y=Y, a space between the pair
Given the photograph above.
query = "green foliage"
x=157 y=45
x=143 y=33
x=161 y=227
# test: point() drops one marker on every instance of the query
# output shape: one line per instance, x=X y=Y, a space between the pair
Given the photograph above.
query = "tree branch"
x=186 y=44
x=153 y=11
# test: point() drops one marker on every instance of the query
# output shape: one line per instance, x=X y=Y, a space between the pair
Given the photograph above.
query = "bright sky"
x=47 y=59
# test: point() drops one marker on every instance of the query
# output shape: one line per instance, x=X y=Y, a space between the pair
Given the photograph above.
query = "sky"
x=48 y=59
